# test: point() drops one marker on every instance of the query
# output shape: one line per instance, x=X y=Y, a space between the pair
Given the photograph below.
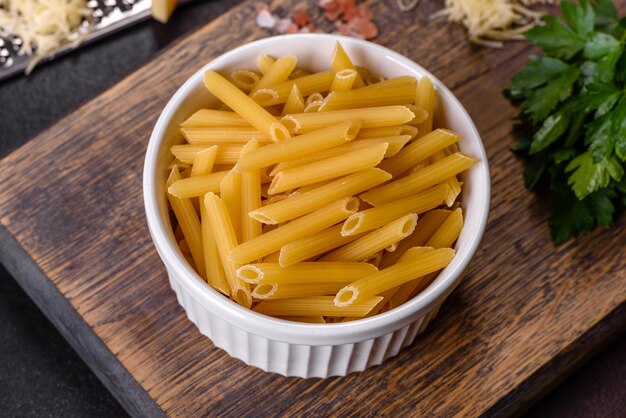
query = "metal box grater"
x=106 y=17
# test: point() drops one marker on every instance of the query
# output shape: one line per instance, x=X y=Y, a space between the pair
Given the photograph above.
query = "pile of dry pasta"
x=320 y=197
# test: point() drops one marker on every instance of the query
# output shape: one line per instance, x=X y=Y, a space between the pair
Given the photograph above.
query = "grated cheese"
x=489 y=22
x=42 y=25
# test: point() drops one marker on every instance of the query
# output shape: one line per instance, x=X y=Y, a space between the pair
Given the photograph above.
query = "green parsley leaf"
x=538 y=72
x=556 y=38
x=571 y=216
x=589 y=176
x=541 y=101
x=581 y=17
x=553 y=127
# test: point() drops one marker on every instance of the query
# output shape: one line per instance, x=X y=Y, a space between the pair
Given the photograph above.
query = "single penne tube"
x=405 y=81
x=277 y=73
x=303 y=203
x=425 y=97
x=426 y=226
x=305 y=319
x=215 y=275
x=360 y=98
x=309 y=224
x=308 y=272
x=394 y=145
x=374 y=241
x=197 y=186
x=228 y=135
x=230 y=193
x=313 y=107
x=226 y=154
x=308 y=84
x=250 y=197
x=388 y=131
x=371 y=117
x=448 y=231
x=204 y=162
x=329 y=168
x=295 y=102
x=344 y=80
x=265 y=62
x=419 y=150
x=299 y=72
x=309 y=247
x=341 y=61
x=225 y=240
x=316 y=306
x=422 y=179
x=244 y=79
x=205 y=118
x=273 y=257
x=247 y=108
x=315 y=97
x=402 y=272
x=370 y=219
x=403 y=291
x=189 y=223
x=453 y=183
x=267 y=291
x=420 y=115
x=299 y=146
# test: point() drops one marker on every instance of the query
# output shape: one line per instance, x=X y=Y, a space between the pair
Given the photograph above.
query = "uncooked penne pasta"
x=387 y=131
x=378 y=216
x=344 y=80
x=205 y=118
x=405 y=81
x=226 y=154
x=230 y=193
x=255 y=114
x=371 y=117
x=277 y=73
x=394 y=145
x=329 y=168
x=306 y=319
x=420 y=180
x=315 y=97
x=264 y=63
x=374 y=241
x=204 y=162
x=448 y=231
x=250 y=197
x=308 y=272
x=309 y=84
x=299 y=146
x=314 y=245
x=215 y=275
x=361 y=98
x=426 y=226
x=340 y=61
x=245 y=80
x=453 y=183
x=233 y=135
x=188 y=222
x=419 y=150
x=267 y=291
x=306 y=225
x=225 y=240
x=295 y=102
x=425 y=98
x=402 y=272
x=420 y=115
x=303 y=203
x=197 y=186
x=316 y=306
x=313 y=107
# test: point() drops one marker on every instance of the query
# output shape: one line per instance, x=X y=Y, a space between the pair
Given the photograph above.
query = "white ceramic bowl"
x=290 y=348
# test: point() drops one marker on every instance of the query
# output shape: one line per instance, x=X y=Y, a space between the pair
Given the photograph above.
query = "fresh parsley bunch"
x=573 y=105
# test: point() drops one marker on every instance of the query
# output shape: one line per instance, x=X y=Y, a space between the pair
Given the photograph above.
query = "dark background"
x=40 y=374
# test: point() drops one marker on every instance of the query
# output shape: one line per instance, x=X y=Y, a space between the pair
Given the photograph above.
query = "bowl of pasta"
x=315 y=199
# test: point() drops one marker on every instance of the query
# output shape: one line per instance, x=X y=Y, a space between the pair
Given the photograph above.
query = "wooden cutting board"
x=74 y=234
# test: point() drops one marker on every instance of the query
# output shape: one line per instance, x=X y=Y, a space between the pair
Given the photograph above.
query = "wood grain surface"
x=527 y=311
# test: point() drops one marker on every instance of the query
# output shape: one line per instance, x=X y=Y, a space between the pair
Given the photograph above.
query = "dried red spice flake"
x=349 y=18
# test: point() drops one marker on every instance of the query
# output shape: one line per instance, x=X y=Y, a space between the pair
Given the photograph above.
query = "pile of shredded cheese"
x=42 y=25
x=489 y=22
